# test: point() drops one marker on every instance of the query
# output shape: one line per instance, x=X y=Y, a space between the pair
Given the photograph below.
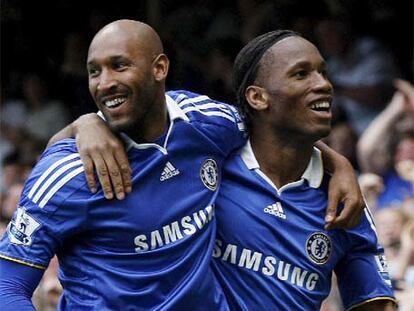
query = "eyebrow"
x=112 y=58
x=305 y=64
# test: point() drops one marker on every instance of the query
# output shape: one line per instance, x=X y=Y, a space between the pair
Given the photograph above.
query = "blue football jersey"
x=150 y=251
x=272 y=252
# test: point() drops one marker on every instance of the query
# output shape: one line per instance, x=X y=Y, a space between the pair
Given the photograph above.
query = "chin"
x=325 y=133
x=322 y=133
x=120 y=126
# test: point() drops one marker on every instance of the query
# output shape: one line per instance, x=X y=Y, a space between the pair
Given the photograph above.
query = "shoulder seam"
x=205 y=105
x=58 y=174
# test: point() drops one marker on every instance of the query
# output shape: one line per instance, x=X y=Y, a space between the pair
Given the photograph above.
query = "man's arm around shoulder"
x=101 y=150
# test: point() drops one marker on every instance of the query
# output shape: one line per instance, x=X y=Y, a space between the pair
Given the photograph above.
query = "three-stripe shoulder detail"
x=54 y=178
x=204 y=105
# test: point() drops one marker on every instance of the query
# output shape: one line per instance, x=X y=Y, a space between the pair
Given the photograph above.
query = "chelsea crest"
x=209 y=174
x=319 y=247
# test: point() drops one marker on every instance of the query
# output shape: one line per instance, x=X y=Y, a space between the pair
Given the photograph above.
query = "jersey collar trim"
x=313 y=173
x=174 y=113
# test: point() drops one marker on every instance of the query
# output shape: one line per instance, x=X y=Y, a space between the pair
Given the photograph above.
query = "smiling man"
x=119 y=80
x=272 y=251
x=149 y=251
x=152 y=250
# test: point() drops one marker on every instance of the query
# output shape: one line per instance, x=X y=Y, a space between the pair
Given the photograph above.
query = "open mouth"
x=322 y=106
x=114 y=102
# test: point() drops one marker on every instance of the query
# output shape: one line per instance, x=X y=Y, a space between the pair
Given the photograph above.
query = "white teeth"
x=321 y=105
x=114 y=102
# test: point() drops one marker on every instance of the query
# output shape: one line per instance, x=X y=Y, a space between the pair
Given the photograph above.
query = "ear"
x=257 y=97
x=160 y=67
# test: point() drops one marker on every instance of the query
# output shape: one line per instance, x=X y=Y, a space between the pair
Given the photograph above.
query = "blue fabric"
x=151 y=251
x=272 y=252
x=17 y=284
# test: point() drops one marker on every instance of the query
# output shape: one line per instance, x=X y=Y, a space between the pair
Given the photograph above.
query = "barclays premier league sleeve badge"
x=22 y=228
x=382 y=266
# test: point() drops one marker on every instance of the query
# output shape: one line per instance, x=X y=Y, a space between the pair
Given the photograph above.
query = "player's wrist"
x=84 y=121
x=340 y=163
x=332 y=160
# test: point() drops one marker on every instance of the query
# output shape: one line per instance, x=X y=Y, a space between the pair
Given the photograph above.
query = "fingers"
x=330 y=215
x=103 y=151
x=101 y=162
x=117 y=173
x=125 y=170
x=89 y=174
x=103 y=176
x=114 y=173
x=350 y=216
x=343 y=221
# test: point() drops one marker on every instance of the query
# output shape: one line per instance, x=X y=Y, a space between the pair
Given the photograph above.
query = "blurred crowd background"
x=368 y=45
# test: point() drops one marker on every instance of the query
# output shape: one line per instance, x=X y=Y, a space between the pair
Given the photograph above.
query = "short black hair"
x=246 y=65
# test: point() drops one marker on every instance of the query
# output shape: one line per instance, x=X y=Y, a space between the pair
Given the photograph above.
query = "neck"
x=283 y=158
x=152 y=125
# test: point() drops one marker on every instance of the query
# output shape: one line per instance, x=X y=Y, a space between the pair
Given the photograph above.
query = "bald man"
x=152 y=250
x=130 y=53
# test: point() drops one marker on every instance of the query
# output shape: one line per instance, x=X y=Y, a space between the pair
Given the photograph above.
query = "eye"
x=301 y=74
x=324 y=72
x=120 y=65
x=93 y=72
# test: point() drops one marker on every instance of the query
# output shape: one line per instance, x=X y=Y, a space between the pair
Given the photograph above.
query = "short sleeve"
x=53 y=207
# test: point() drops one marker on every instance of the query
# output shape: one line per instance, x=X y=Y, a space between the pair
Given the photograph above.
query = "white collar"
x=313 y=173
x=174 y=113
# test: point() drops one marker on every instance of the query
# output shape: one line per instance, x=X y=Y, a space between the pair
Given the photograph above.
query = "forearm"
x=66 y=132
x=332 y=160
x=17 y=286
x=343 y=189
x=75 y=127
x=373 y=145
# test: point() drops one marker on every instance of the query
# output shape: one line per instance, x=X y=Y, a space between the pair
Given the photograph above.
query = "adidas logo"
x=275 y=209
x=168 y=171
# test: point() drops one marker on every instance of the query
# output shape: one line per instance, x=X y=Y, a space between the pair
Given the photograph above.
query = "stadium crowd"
x=45 y=86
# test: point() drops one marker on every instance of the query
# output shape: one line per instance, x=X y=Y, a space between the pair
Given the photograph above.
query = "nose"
x=106 y=81
x=322 y=83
